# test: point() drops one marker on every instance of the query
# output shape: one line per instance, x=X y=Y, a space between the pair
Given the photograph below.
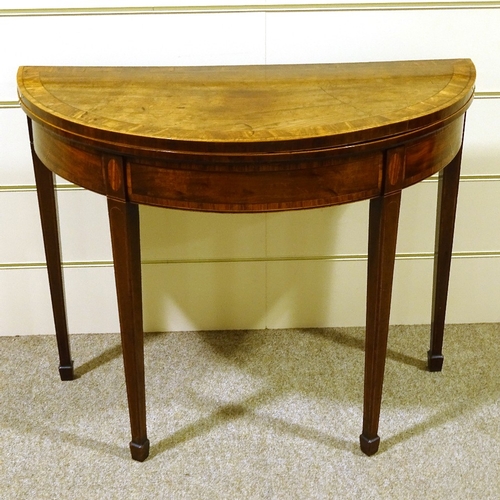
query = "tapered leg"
x=47 y=203
x=124 y=222
x=445 y=223
x=383 y=225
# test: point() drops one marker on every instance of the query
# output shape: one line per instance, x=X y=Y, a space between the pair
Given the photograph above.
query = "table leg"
x=124 y=224
x=47 y=204
x=445 y=223
x=383 y=226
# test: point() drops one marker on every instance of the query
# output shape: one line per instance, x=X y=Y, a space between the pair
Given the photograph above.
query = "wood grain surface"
x=238 y=108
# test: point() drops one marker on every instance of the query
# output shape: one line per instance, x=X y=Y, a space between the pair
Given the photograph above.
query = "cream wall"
x=210 y=271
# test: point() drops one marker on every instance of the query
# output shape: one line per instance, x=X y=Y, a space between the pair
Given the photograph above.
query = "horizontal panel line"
x=16 y=188
x=67 y=265
x=480 y=178
x=319 y=258
x=194 y=9
x=9 y=104
x=468 y=178
x=242 y=260
x=486 y=95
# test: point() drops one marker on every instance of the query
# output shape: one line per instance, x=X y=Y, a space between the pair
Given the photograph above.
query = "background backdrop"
x=210 y=271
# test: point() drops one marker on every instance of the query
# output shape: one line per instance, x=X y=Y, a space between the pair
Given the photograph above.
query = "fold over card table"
x=249 y=139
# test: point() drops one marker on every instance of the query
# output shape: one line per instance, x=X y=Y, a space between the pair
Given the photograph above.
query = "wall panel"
x=477 y=222
x=25 y=304
x=21 y=235
x=15 y=156
x=177 y=235
x=204 y=296
x=482 y=138
x=345 y=36
x=128 y=40
x=209 y=271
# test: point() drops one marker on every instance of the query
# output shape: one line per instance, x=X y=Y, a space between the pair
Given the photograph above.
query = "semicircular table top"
x=234 y=107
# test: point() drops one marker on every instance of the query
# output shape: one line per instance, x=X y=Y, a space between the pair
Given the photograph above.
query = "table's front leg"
x=383 y=225
x=124 y=223
x=449 y=179
x=47 y=204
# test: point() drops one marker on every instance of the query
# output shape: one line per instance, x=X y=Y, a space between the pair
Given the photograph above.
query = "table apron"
x=253 y=183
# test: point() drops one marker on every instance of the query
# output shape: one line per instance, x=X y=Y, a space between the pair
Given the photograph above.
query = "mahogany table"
x=249 y=139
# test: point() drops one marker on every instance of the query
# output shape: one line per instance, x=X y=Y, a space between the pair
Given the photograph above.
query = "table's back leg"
x=47 y=203
x=445 y=224
x=124 y=224
x=383 y=226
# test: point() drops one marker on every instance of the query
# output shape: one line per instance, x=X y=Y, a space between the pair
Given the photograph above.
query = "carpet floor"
x=272 y=414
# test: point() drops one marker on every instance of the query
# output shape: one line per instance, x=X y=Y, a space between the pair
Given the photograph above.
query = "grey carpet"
x=253 y=415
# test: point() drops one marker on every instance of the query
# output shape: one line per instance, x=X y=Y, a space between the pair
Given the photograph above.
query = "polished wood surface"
x=250 y=139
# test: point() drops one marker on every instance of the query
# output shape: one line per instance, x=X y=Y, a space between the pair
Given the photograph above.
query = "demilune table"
x=249 y=139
